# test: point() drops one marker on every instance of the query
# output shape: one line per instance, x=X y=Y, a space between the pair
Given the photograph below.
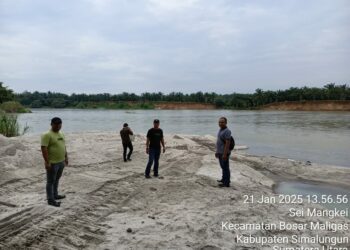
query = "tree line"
x=235 y=100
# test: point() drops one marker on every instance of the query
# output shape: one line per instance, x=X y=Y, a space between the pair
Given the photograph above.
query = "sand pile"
x=15 y=155
x=110 y=205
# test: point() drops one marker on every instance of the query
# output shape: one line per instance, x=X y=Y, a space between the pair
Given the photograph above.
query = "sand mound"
x=16 y=153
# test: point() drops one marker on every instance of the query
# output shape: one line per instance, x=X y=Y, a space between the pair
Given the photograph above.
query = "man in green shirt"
x=54 y=152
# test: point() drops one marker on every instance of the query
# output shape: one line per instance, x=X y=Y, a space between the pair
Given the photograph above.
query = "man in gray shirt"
x=223 y=151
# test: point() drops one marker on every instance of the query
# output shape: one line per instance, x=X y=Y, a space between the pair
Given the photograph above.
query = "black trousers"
x=125 y=147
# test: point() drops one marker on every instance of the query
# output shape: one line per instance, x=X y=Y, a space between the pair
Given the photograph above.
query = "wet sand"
x=184 y=209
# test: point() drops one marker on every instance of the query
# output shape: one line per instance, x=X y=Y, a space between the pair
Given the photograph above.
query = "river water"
x=321 y=137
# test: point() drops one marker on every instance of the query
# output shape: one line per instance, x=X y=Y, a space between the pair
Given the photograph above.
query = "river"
x=322 y=137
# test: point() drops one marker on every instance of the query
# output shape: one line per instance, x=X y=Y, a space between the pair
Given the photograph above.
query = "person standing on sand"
x=223 y=152
x=155 y=140
x=126 y=141
x=54 y=152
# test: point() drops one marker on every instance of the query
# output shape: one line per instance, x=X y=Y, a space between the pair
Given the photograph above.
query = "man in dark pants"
x=223 y=152
x=125 y=135
x=54 y=152
x=153 y=147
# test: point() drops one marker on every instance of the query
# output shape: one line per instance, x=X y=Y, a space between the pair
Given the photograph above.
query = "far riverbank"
x=325 y=105
x=309 y=106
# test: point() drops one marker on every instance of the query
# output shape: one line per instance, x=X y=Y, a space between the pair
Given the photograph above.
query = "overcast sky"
x=225 y=46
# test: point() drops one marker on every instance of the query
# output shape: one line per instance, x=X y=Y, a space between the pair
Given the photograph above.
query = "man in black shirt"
x=153 y=146
x=125 y=135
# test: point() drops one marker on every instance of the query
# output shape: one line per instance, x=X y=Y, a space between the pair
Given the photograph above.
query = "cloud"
x=159 y=6
x=154 y=45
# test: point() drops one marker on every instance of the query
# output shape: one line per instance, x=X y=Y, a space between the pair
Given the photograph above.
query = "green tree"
x=36 y=104
x=219 y=103
x=58 y=103
x=5 y=94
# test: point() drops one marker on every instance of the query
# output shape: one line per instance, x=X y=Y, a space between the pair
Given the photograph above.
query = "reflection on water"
x=322 y=137
x=319 y=190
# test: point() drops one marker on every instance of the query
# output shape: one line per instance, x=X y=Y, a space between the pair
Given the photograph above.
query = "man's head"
x=125 y=125
x=156 y=123
x=223 y=122
x=56 y=124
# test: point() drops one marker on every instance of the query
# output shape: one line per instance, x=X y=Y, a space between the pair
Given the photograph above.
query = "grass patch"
x=13 y=107
x=9 y=125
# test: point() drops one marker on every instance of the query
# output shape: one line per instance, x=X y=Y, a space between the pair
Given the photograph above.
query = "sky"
x=222 y=46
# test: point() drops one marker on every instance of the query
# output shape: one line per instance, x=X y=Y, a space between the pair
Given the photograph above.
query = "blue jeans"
x=225 y=166
x=53 y=176
x=153 y=156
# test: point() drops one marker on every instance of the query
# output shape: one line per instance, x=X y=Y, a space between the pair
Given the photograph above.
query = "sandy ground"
x=184 y=209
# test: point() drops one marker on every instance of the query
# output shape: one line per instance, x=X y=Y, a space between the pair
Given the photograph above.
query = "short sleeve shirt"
x=155 y=135
x=223 y=134
x=55 y=143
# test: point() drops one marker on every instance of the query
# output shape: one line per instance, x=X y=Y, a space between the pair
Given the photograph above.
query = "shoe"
x=60 y=197
x=129 y=159
x=54 y=203
x=148 y=177
x=125 y=160
x=156 y=175
x=224 y=185
x=219 y=181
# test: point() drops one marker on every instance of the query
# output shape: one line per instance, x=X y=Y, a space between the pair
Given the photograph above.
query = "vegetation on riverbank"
x=149 y=100
x=8 y=103
x=13 y=107
x=6 y=94
x=9 y=125
x=112 y=105
x=173 y=100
